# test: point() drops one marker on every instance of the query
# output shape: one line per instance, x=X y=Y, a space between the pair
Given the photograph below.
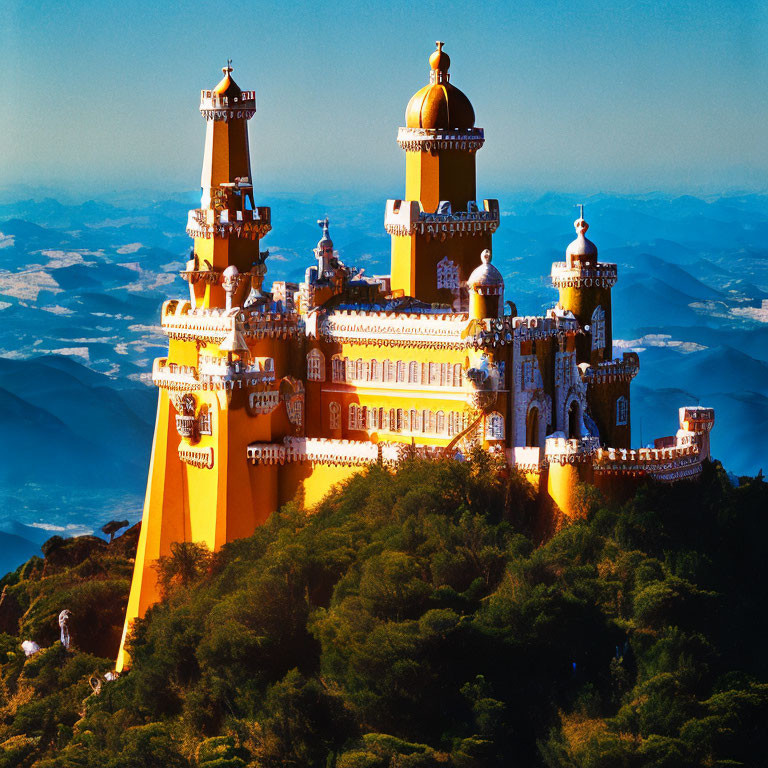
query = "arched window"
x=457 y=375
x=413 y=372
x=432 y=422
x=440 y=422
x=350 y=366
x=388 y=371
x=334 y=416
x=532 y=427
x=414 y=421
x=494 y=426
x=359 y=370
x=434 y=374
x=392 y=420
x=315 y=365
x=399 y=420
x=598 y=328
x=400 y=370
x=375 y=371
x=622 y=411
x=353 y=416
x=337 y=368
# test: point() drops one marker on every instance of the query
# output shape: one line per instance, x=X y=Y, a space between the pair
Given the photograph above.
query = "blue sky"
x=585 y=96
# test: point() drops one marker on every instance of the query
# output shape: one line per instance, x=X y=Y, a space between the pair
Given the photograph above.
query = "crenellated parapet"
x=213 y=325
x=406 y=218
x=619 y=369
x=244 y=224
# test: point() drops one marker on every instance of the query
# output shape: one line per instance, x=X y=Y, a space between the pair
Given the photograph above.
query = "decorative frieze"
x=405 y=218
x=578 y=276
x=432 y=139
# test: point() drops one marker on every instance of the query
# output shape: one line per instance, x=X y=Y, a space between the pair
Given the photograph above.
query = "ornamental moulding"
x=197 y=457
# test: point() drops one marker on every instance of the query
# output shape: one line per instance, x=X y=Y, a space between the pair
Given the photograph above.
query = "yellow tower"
x=218 y=383
x=439 y=229
x=584 y=285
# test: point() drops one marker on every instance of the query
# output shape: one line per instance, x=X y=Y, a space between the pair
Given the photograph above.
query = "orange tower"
x=439 y=230
x=215 y=382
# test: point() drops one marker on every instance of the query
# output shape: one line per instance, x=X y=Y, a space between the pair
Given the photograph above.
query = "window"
x=440 y=422
x=400 y=370
x=205 y=421
x=415 y=421
x=494 y=427
x=354 y=417
x=447 y=275
x=388 y=371
x=337 y=368
x=622 y=411
x=350 y=366
x=457 y=375
x=529 y=374
x=359 y=370
x=316 y=365
x=334 y=416
x=413 y=372
x=598 y=328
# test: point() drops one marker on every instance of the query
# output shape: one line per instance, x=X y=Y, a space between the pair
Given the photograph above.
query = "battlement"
x=619 y=369
x=246 y=224
x=406 y=217
x=181 y=321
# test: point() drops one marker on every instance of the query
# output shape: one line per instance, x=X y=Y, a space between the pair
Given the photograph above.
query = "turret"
x=486 y=290
x=228 y=226
x=585 y=290
x=438 y=229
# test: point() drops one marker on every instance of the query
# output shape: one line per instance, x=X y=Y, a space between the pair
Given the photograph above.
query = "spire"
x=325 y=240
x=581 y=247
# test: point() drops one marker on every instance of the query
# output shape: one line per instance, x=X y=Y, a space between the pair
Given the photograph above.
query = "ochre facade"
x=266 y=397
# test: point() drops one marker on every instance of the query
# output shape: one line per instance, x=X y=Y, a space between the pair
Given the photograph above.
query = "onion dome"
x=227 y=87
x=581 y=247
x=439 y=105
x=486 y=275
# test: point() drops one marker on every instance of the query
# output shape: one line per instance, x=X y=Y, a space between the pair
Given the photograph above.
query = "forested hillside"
x=413 y=621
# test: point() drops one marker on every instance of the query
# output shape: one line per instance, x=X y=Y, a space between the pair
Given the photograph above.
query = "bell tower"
x=439 y=230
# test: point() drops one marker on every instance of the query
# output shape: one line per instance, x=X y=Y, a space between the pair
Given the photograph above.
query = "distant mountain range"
x=81 y=288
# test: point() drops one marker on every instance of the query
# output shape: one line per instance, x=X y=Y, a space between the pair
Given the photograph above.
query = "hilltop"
x=413 y=620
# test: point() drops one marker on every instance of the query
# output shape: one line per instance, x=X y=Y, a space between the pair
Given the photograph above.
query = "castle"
x=266 y=396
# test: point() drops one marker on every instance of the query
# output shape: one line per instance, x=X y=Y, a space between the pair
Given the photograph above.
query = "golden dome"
x=227 y=87
x=439 y=104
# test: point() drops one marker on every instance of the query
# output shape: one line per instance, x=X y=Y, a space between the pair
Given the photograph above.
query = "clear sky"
x=580 y=95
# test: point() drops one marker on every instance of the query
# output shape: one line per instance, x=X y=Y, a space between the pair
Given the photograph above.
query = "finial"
x=226 y=70
x=486 y=257
x=439 y=60
x=323 y=223
x=580 y=225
